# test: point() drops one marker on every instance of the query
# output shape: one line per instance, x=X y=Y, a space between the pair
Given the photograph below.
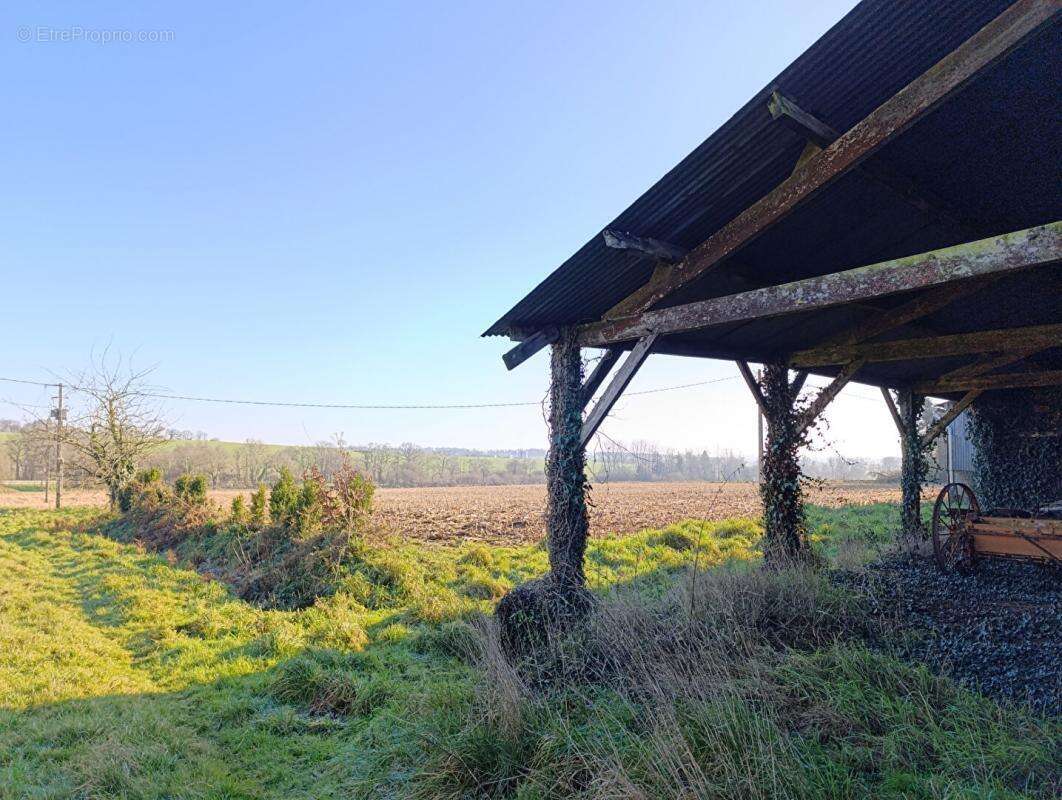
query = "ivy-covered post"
x=914 y=465
x=558 y=603
x=783 y=503
x=566 y=484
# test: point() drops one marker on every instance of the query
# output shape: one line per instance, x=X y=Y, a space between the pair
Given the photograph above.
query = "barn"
x=886 y=211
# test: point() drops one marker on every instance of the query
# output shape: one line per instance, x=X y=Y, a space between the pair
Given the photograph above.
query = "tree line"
x=116 y=428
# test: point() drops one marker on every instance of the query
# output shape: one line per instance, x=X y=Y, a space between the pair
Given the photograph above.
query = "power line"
x=31 y=383
x=368 y=406
x=387 y=406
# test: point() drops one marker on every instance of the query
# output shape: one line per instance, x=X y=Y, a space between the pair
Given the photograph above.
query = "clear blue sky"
x=331 y=201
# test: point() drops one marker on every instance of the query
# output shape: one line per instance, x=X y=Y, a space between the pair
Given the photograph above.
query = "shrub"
x=308 y=506
x=284 y=499
x=238 y=510
x=146 y=476
x=191 y=488
x=258 y=507
x=146 y=489
x=346 y=498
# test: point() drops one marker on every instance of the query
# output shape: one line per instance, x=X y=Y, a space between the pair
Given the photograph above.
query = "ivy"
x=915 y=465
x=1018 y=447
x=785 y=525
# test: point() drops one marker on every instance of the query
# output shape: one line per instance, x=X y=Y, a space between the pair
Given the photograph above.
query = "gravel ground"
x=998 y=630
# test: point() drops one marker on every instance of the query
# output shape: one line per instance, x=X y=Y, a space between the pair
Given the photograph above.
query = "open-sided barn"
x=886 y=211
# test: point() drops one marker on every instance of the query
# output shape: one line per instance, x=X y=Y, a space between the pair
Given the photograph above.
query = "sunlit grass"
x=124 y=676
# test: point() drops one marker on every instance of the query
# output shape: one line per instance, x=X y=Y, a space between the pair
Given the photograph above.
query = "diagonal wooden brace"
x=827 y=393
x=941 y=424
x=619 y=382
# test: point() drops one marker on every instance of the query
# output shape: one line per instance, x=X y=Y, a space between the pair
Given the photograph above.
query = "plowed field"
x=514 y=514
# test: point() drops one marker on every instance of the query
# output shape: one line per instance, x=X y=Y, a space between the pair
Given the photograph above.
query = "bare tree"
x=17 y=449
x=378 y=461
x=252 y=462
x=118 y=426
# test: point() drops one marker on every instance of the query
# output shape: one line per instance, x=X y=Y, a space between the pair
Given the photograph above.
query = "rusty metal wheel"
x=955 y=508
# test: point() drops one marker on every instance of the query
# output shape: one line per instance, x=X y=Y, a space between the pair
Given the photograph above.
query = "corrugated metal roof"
x=993 y=151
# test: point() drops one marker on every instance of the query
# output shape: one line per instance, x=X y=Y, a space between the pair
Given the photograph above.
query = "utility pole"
x=59 y=450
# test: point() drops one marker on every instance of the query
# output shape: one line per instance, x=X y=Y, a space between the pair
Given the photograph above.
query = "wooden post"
x=913 y=465
x=568 y=524
x=534 y=614
x=783 y=503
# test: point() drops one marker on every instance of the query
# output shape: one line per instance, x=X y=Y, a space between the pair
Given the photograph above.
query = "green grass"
x=124 y=676
x=21 y=486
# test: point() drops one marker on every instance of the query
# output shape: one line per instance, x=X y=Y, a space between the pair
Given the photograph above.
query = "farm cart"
x=962 y=534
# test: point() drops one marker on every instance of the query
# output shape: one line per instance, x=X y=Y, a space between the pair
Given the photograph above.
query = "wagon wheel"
x=955 y=508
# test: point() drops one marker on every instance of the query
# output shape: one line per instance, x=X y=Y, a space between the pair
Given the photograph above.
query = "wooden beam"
x=821 y=135
x=941 y=424
x=529 y=346
x=633 y=302
x=618 y=240
x=600 y=372
x=827 y=393
x=959 y=344
x=894 y=411
x=1007 y=380
x=877 y=321
x=1013 y=251
x=797 y=119
x=622 y=378
x=753 y=384
x=987 y=365
x=998 y=38
x=798 y=383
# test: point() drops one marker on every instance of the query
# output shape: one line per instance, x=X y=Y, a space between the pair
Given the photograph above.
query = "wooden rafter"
x=600 y=372
x=828 y=393
x=633 y=302
x=895 y=115
x=821 y=135
x=618 y=240
x=945 y=420
x=800 y=121
x=529 y=346
x=995 y=341
x=987 y=365
x=1006 y=380
x=619 y=382
x=997 y=255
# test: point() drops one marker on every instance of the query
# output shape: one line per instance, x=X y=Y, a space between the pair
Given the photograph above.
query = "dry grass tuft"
x=671 y=689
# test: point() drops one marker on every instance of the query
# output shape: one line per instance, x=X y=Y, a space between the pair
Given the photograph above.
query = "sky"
x=330 y=202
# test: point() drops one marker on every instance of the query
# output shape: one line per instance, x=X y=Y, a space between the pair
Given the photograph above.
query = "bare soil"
x=514 y=514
